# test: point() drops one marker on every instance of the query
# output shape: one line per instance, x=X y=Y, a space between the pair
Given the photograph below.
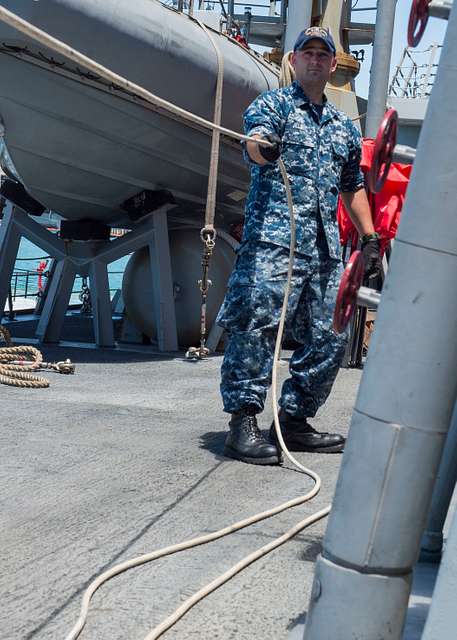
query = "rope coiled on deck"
x=18 y=375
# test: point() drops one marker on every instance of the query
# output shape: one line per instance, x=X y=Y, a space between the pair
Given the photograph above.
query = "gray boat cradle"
x=432 y=540
x=91 y=259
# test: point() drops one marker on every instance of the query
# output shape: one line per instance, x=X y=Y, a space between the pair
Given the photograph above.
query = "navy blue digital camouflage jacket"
x=322 y=158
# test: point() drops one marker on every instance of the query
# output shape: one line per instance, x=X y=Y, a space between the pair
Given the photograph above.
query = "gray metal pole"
x=432 y=540
x=298 y=18
x=10 y=238
x=442 y=619
x=405 y=402
x=380 y=66
x=334 y=18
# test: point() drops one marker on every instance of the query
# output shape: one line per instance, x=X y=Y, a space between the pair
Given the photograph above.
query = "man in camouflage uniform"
x=321 y=150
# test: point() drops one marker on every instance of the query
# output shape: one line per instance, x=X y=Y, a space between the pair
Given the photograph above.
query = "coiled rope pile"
x=18 y=375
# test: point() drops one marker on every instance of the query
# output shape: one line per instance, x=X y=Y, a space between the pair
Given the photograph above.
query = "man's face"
x=313 y=63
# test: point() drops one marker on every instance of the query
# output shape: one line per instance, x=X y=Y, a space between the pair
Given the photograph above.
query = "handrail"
x=24 y=283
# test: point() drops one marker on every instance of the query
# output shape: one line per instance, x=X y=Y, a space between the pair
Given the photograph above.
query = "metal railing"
x=239 y=23
x=31 y=283
x=21 y=284
x=24 y=284
x=415 y=73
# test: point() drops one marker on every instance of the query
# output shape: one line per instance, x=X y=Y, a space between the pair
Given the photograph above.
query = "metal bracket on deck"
x=91 y=259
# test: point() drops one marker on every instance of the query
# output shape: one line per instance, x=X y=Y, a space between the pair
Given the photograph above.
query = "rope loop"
x=16 y=363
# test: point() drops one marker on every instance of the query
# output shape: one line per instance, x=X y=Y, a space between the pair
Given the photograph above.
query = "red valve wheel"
x=346 y=300
x=418 y=19
x=383 y=151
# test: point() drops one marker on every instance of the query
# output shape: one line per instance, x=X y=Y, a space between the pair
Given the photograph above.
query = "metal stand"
x=354 y=350
x=432 y=540
x=441 y=618
x=90 y=259
x=10 y=238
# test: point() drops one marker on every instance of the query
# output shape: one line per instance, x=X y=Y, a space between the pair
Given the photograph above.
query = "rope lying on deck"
x=17 y=362
x=17 y=375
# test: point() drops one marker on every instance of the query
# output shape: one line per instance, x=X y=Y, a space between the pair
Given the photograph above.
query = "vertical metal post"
x=298 y=18
x=432 y=540
x=52 y=318
x=230 y=13
x=380 y=66
x=397 y=73
x=441 y=619
x=162 y=283
x=11 y=314
x=431 y=62
x=334 y=18
x=406 y=84
x=405 y=402
x=10 y=239
x=101 y=304
x=247 y=23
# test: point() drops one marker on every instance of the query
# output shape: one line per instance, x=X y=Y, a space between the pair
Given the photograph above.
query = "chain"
x=84 y=296
x=208 y=237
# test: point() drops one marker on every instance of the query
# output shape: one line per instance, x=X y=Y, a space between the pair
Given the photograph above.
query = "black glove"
x=371 y=251
x=271 y=154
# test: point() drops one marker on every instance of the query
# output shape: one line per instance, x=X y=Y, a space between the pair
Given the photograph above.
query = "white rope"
x=214 y=157
x=259 y=553
x=222 y=579
x=287 y=75
x=225 y=577
x=15 y=369
x=59 y=47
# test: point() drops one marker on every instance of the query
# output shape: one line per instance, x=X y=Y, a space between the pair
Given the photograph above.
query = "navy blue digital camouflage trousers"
x=250 y=315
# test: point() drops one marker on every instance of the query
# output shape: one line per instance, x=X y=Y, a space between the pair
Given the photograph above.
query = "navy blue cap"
x=313 y=33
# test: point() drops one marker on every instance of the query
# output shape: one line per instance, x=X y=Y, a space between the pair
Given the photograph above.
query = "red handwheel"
x=383 y=151
x=346 y=299
x=418 y=18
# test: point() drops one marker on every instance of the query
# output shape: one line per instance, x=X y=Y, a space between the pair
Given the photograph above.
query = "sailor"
x=321 y=150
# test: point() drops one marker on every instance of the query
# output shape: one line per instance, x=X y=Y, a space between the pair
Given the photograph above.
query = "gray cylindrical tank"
x=185 y=249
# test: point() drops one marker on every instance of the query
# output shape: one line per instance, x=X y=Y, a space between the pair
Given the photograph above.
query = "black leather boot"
x=245 y=441
x=299 y=435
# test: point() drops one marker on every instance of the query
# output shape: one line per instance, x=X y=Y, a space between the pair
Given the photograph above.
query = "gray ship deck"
x=126 y=457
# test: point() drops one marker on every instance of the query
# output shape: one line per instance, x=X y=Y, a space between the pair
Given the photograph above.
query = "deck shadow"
x=213 y=441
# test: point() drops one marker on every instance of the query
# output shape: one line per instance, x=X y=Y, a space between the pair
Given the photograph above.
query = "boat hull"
x=83 y=148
